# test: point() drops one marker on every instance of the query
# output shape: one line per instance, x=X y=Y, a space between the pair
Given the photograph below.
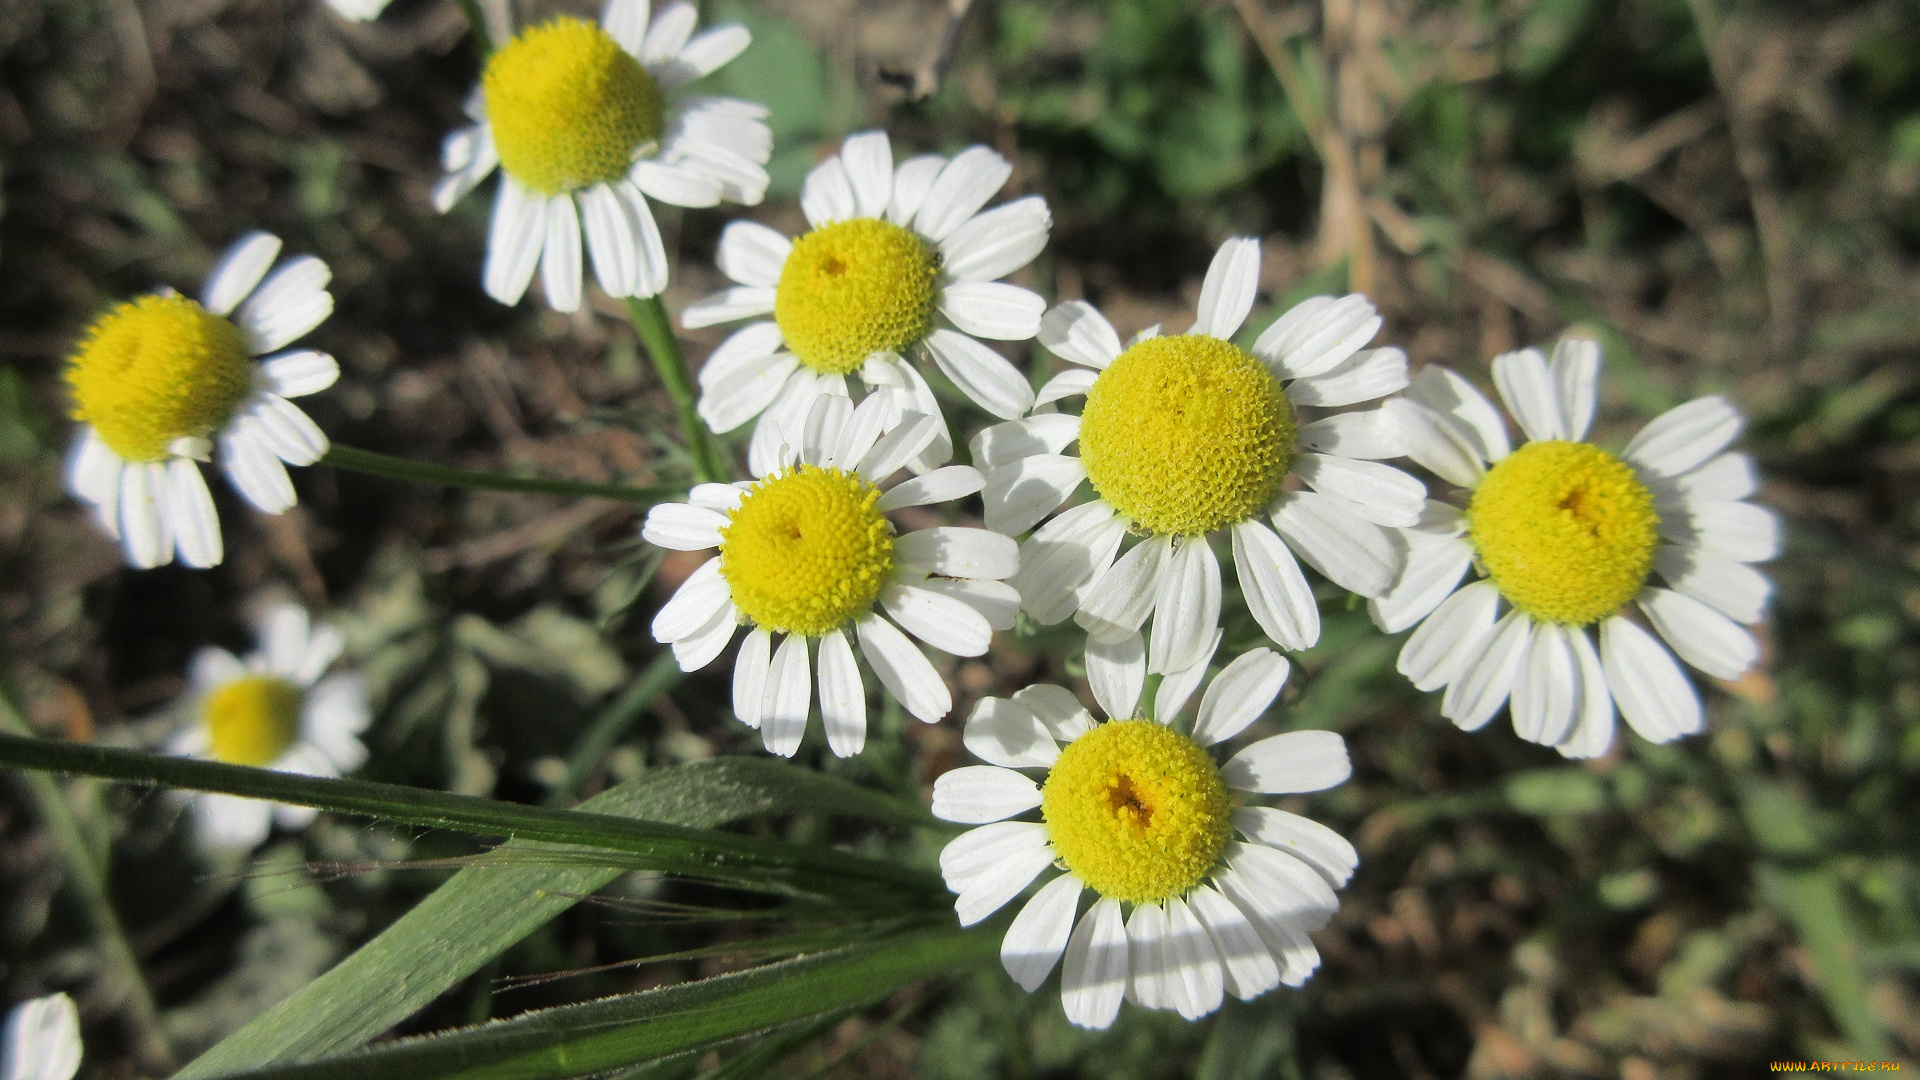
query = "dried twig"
x=923 y=82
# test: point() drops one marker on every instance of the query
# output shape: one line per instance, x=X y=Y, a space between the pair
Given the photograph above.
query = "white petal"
x=283 y=428
x=253 y=468
x=1227 y=293
x=682 y=527
x=1294 y=762
x=1576 y=374
x=1528 y=389
x=1275 y=919
x=196 y=526
x=297 y=374
x=1193 y=966
x=1442 y=443
x=1017 y=496
x=1238 y=695
x=215 y=667
x=513 y=241
x=996 y=601
x=1378 y=493
x=1094 y=977
x=750 y=676
x=1438 y=651
x=1685 y=436
x=1726 y=477
x=1178 y=686
x=1057 y=709
x=911 y=182
x=1186 y=606
x=788 y=697
x=825 y=428
x=904 y=670
x=1592 y=730
x=1249 y=965
x=959 y=552
x=986 y=377
x=728 y=403
x=1317 y=334
x=1118 y=601
x=1488 y=677
x=843 y=698
x=1063 y=555
x=1304 y=838
x=1546 y=694
x=43 y=1038
x=292 y=301
x=993 y=309
x=752 y=254
x=1444 y=391
x=1150 y=987
x=228 y=821
x=962 y=188
x=899 y=446
x=704 y=592
x=1365 y=376
x=1290 y=891
x=668 y=33
x=626 y=22
x=612 y=241
x=1004 y=733
x=1739 y=531
x=1276 y=592
x=1039 y=933
x=1354 y=554
x=976 y=851
x=938 y=486
x=746 y=349
x=680 y=183
x=976 y=794
x=868 y=159
x=560 y=269
x=1364 y=434
x=93 y=471
x=1700 y=635
x=1077 y=331
x=1653 y=694
x=651 y=276
x=998 y=242
x=1433 y=570
x=1066 y=384
x=146 y=518
x=703 y=56
x=992 y=888
x=942 y=621
x=1117 y=673
x=1735 y=589
x=737 y=302
x=238 y=271
x=705 y=644
x=826 y=196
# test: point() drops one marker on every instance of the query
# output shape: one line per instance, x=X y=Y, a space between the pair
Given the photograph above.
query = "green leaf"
x=1811 y=900
x=580 y=1040
x=1553 y=792
x=482 y=912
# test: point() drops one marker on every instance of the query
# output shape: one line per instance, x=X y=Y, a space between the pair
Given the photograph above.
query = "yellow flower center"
x=855 y=288
x=1184 y=435
x=253 y=720
x=1565 y=530
x=1137 y=810
x=569 y=106
x=807 y=551
x=157 y=369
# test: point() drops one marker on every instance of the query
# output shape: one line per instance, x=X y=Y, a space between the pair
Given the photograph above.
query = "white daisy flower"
x=42 y=1040
x=901 y=265
x=1566 y=536
x=274 y=711
x=1223 y=896
x=160 y=381
x=577 y=118
x=807 y=554
x=1188 y=436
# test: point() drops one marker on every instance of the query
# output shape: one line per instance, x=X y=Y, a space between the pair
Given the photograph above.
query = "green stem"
x=89 y=885
x=650 y=321
x=420 y=472
x=477 y=22
x=656 y=680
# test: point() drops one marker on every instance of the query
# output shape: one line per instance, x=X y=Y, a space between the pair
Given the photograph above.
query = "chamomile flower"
x=577 y=118
x=901 y=265
x=276 y=710
x=808 y=556
x=160 y=381
x=1137 y=811
x=1188 y=436
x=1566 y=538
x=42 y=1040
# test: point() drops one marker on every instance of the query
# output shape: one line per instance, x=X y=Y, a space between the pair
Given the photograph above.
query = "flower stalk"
x=650 y=321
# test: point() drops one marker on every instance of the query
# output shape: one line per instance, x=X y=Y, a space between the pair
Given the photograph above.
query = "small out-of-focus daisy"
x=1136 y=810
x=808 y=555
x=42 y=1040
x=161 y=381
x=1567 y=537
x=279 y=710
x=901 y=265
x=1187 y=436
x=578 y=119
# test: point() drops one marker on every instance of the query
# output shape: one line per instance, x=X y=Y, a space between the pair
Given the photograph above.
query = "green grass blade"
x=595 y=1037
x=480 y=913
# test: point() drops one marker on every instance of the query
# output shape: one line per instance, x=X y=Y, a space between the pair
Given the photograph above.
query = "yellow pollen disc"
x=1565 y=530
x=157 y=369
x=253 y=720
x=1186 y=434
x=807 y=551
x=854 y=288
x=569 y=106
x=1137 y=810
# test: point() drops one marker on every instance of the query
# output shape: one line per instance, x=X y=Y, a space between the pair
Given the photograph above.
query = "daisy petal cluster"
x=901 y=265
x=1193 y=897
x=278 y=709
x=160 y=382
x=1568 y=540
x=42 y=1040
x=577 y=118
x=808 y=556
x=1188 y=437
